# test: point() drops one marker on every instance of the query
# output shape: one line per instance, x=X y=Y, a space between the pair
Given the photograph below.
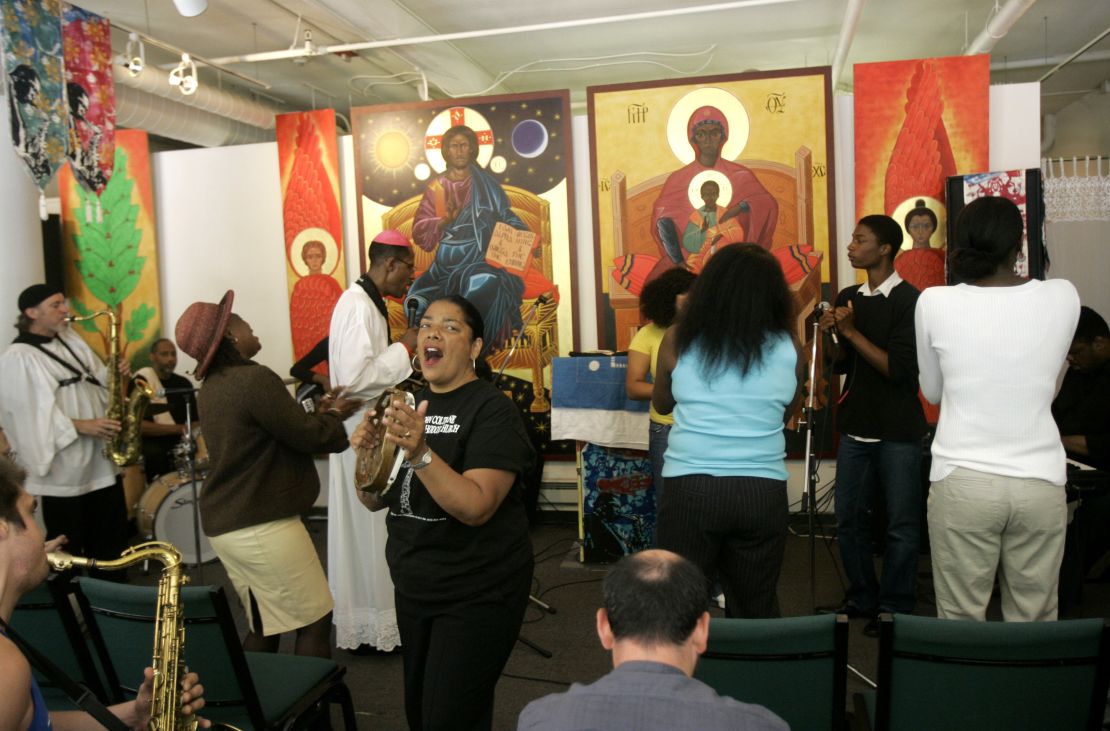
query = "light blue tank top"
x=731 y=425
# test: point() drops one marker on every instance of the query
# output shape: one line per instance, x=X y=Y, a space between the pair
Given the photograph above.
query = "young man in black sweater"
x=881 y=424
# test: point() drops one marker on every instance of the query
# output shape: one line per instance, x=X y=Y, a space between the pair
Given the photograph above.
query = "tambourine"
x=377 y=467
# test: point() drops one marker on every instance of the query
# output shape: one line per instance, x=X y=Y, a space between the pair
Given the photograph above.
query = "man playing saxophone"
x=23 y=566
x=53 y=398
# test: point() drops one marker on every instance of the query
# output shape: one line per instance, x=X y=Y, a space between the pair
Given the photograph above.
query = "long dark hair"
x=738 y=301
x=988 y=232
x=473 y=319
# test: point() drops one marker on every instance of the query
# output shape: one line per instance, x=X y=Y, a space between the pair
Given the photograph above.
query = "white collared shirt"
x=884 y=289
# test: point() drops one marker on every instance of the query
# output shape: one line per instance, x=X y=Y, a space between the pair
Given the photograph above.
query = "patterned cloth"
x=32 y=41
x=90 y=95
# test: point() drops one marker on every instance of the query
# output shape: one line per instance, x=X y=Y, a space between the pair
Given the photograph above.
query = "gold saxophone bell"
x=377 y=467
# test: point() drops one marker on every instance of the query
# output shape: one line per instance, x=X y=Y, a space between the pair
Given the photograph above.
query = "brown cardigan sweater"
x=260 y=443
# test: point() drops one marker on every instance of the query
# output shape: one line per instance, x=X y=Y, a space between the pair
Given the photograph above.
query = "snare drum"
x=166 y=514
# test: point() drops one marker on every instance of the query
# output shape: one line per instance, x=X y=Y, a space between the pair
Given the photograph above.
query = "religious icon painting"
x=315 y=270
x=917 y=123
x=683 y=167
x=483 y=188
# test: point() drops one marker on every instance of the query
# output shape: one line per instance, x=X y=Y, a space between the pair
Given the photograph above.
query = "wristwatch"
x=423 y=460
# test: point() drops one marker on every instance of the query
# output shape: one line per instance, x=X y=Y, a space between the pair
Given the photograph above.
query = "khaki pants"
x=981 y=523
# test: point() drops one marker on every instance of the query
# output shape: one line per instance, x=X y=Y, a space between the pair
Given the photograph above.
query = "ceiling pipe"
x=847 y=34
x=165 y=118
x=207 y=98
x=489 y=32
x=1075 y=55
x=1036 y=63
x=998 y=26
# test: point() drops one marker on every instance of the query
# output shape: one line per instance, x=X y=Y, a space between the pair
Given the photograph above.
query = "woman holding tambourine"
x=458 y=549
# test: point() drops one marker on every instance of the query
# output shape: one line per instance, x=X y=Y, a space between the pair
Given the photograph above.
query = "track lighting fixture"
x=184 y=76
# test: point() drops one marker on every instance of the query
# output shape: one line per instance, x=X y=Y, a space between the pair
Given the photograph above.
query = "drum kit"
x=167 y=510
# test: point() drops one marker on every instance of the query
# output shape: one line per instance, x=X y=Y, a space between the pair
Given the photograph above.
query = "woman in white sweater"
x=989 y=349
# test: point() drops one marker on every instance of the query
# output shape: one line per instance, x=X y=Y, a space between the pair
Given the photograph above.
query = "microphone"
x=162 y=392
x=412 y=306
x=824 y=307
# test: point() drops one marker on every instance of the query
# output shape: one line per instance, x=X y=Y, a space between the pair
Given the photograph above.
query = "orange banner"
x=315 y=269
x=917 y=123
x=111 y=251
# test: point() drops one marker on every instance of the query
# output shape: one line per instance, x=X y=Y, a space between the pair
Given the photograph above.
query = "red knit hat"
x=201 y=328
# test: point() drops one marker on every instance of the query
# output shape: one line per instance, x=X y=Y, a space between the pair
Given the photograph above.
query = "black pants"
x=454 y=653
x=733 y=528
x=95 y=523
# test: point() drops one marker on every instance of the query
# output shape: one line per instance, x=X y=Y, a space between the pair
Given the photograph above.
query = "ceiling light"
x=136 y=55
x=190 y=8
x=184 y=76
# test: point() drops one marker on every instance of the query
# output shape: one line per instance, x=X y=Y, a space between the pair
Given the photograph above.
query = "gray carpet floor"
x=573 y=591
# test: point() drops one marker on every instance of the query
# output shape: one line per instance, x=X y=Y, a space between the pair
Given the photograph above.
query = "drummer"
x=165 y=422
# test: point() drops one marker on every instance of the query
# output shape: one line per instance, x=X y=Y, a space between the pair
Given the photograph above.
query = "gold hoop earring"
x=473 y=365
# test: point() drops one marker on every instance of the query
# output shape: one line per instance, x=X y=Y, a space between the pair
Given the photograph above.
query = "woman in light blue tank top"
x=732 y=373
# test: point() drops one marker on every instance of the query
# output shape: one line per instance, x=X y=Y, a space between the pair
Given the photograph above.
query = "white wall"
x=219 y=227
x=22 y=229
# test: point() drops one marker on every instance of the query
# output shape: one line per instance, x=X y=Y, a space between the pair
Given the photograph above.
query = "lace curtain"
x=1076 y=190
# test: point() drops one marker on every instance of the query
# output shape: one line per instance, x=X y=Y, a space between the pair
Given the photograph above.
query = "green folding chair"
x=794 y=666
x=954 y=674
x=248 y=690
x=46 y=619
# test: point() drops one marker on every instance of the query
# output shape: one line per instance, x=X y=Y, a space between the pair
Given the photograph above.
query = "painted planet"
x=529 y=138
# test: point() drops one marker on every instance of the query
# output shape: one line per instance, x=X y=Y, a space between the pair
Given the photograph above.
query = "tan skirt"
x=277 y=564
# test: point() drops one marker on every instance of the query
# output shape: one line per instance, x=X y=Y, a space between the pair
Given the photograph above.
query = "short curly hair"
x=657 y=301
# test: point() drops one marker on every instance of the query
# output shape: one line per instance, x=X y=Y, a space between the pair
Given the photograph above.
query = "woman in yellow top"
x=659 y=303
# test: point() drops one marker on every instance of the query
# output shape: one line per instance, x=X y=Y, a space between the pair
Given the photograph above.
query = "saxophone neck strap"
x=80 y=373
x=81 y=696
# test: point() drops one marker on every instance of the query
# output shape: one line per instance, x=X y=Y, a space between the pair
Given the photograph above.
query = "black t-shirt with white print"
x=431 y=555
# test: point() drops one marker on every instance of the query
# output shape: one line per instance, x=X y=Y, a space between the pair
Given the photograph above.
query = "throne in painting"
x=632 y=206
x=538 y=343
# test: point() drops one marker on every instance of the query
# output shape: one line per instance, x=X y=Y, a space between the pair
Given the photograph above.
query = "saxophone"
x=125 y=448
x=169 y=627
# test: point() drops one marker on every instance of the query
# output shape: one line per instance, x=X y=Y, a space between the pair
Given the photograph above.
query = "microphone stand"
x=541 y=300
x=191 y=455
x=809 y=492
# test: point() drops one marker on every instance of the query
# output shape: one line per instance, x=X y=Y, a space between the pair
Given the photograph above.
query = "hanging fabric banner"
x=90 y=96
x=917 y=123
x=315 y=270
x=112 y=262
x=32 y=36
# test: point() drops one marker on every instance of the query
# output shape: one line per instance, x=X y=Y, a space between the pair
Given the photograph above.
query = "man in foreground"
x=655 y=624
x=23 y=566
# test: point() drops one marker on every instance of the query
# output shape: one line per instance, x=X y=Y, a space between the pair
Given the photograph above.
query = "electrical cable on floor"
x=569 y=583
x=563 y=683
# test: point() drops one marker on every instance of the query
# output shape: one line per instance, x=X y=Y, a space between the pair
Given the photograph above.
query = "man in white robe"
x=52 y=404
x=361 y=358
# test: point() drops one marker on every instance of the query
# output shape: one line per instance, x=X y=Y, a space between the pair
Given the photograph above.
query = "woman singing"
x=990 y=348
x=261 y=479
x=458 y=547
x=732 y=373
